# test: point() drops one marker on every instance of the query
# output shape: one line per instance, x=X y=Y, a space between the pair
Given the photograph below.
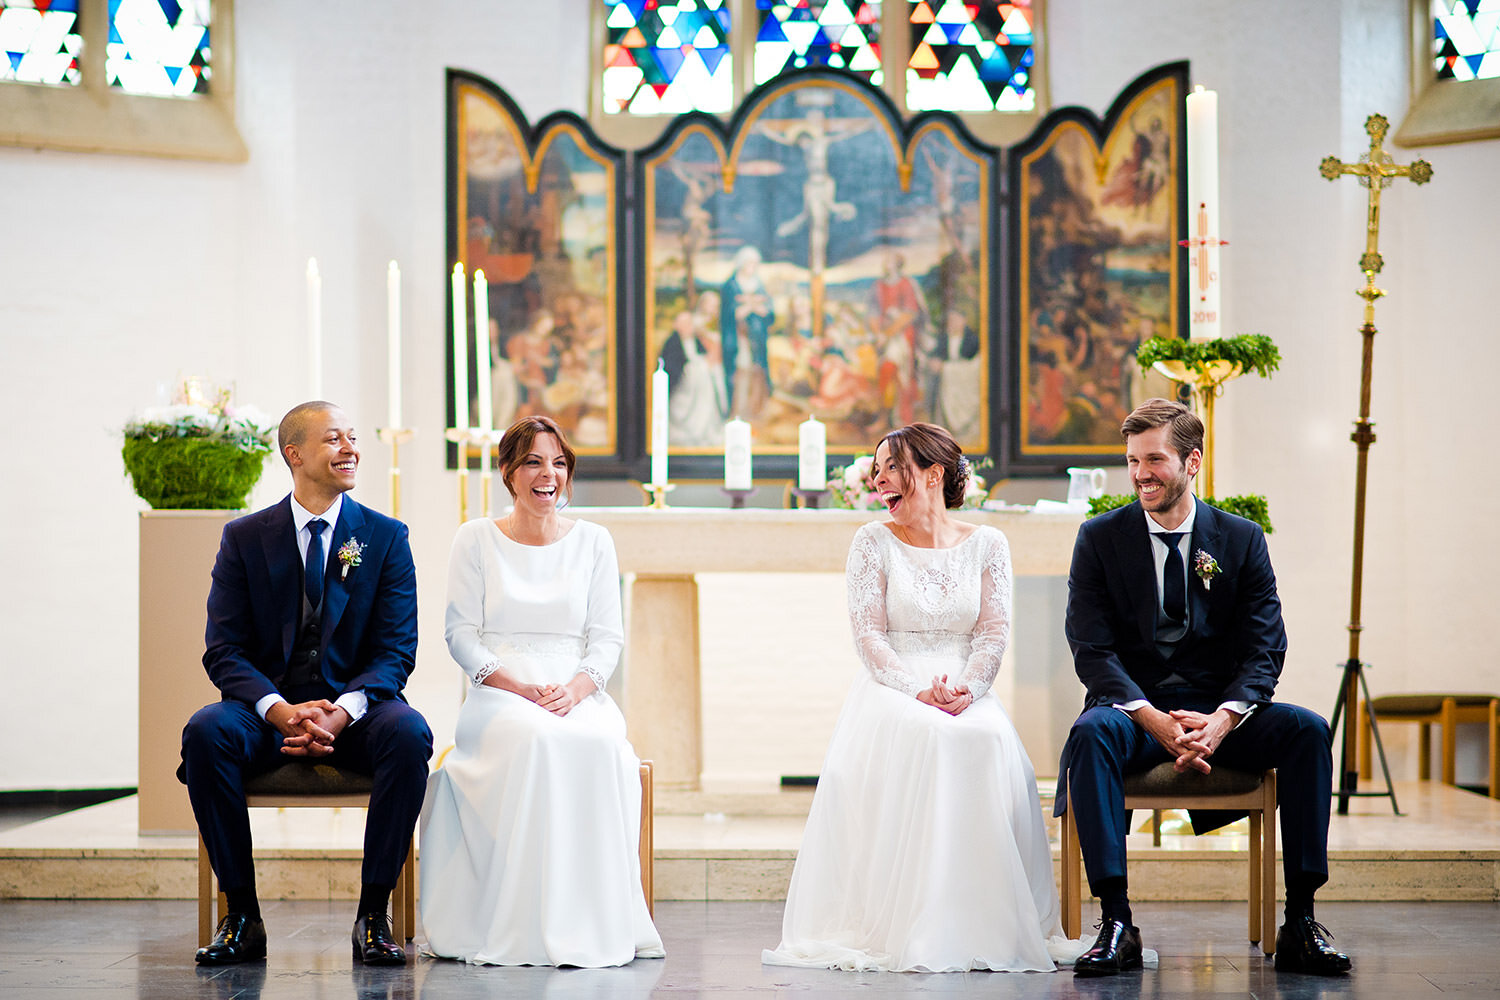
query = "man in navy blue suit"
x=312 y=632
x=1176 y=632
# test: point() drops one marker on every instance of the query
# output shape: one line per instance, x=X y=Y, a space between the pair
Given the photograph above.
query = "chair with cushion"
x=1447 y=711
x=309 y=786
x=1163 y=788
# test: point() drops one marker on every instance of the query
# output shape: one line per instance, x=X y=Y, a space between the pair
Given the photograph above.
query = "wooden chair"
x=1163 y=788
x=1447 y=711
x=309 y=786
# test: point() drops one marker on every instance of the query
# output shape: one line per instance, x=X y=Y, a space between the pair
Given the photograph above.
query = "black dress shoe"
x=238 y=939
x=373 y=942
x=1117 y=948
x=1302 y=946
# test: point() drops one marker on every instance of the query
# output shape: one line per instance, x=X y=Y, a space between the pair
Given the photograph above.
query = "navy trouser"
x=226 y=744
x=1105 y=744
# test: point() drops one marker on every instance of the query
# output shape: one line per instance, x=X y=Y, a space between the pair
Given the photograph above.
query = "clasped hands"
x=1190 y=737
x=559 y=699
x=952 y=699
x=308 y=729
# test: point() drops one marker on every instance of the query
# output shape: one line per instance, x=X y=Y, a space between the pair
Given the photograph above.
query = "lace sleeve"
x=865 y=577
x=992 y=630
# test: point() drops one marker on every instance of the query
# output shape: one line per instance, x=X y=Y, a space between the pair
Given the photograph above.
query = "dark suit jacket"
x=369 y=630
x=1235 y=644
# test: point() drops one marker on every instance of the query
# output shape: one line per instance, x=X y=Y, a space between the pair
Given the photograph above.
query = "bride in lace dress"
x=531 y=827
x=925 y=849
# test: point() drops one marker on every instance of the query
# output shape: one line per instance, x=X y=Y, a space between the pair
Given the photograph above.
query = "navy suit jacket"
x=369 y=628
x=1235 y=644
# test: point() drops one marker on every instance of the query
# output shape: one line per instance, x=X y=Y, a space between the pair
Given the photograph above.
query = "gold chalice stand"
x=1207 y=383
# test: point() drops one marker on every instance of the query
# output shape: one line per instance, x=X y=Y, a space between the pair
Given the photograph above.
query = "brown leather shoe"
x=238 y=939
x=373 y=942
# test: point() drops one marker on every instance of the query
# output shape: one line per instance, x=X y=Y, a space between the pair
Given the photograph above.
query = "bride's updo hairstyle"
x=926 y=445
x=517 y=443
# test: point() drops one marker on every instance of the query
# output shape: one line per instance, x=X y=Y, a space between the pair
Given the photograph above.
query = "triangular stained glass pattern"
x=153 y=41
x=956 y=63
x=659 y=36
x=40 y=43
x=818 y=33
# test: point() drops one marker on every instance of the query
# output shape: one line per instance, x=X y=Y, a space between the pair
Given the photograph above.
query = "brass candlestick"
x=656 y=496
x=467 y=438
x=1207 y=384
x=1375 y=171
x=395 y=437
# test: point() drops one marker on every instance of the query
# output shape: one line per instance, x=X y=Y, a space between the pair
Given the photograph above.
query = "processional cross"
x=1375 y=171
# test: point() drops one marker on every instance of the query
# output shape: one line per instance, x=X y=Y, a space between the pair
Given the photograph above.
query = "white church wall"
x=122 y=273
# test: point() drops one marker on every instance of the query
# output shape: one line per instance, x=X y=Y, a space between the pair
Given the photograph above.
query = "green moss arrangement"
x=1250 y=506
x=198 y=452
x=186 y=473
x=1253 y=352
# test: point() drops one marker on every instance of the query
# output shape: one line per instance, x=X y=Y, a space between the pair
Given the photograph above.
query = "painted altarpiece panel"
x=539 y=211
x=1096 y=225
x=817 y=258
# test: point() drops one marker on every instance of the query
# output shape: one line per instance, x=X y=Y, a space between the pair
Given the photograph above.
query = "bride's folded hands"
x=562 y=697
x=952 y=700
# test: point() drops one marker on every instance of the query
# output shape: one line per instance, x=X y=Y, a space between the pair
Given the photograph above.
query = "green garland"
x=177 y=473
x=1250 y=506
x=1253 y=352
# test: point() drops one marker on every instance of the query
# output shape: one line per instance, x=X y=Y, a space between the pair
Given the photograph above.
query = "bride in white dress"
x=531 y=828
x=925 y=850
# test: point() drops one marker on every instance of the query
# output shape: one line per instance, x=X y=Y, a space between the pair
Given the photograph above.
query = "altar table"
x=662 y=550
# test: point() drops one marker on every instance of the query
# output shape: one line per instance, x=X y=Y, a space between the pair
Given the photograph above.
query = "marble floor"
x=82 y=949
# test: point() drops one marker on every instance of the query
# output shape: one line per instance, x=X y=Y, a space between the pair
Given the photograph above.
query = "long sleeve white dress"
x=925 y=849
x=531 y=828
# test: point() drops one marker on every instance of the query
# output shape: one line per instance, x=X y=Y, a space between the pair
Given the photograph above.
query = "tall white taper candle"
x=659 y=391
x=1203 y=214
x=482 y=351
x=393 y=345
x=460 y=353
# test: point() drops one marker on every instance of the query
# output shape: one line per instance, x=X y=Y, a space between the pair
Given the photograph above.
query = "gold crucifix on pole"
x=1375 y=171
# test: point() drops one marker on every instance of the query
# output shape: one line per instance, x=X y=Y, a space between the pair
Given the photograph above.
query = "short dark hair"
x=517 y=442
x=293 y=426
x=926 y=445
x=1185 y=429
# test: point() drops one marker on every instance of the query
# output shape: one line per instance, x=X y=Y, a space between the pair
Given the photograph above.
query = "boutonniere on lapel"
x=1206 y=567
x=349 y=556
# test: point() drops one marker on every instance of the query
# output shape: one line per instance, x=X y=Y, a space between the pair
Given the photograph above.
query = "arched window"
x=121 y=76
x=656 y=58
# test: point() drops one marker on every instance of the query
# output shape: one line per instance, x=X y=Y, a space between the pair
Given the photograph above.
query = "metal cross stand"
x=1375 y=170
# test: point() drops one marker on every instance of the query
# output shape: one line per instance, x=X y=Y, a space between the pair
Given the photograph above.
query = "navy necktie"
x=313 y=572
x=1173 y=585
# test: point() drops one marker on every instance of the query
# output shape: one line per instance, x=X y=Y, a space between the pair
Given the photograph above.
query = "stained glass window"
x=158 y=47
x=1466 y=39
x=666 y=57
x=970 y=56
x=39 y=41
x=797 y=33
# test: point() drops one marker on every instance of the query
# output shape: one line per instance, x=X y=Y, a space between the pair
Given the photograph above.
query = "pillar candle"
x=393 y=345
x=659 y=392
x=1203 y=213
x=314 y=329
x=812 y=455
x=482 y=351
x=737 y=455
x=460 y=353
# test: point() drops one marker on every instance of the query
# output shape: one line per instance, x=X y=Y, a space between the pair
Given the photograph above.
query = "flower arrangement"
x=351 y=554
x=201 y=451
x=1206 y=566
x=849 y=485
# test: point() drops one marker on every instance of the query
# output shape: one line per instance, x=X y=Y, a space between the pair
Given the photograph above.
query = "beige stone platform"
x=740 y=844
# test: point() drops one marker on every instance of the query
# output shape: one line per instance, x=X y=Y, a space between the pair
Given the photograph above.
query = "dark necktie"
x=1173 y=582
x=313 y=572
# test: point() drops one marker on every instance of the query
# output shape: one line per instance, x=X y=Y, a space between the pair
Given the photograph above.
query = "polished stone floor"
x=144 y=949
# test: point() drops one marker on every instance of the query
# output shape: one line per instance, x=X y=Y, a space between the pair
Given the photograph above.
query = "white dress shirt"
x=1159 y=561
x=353 y=702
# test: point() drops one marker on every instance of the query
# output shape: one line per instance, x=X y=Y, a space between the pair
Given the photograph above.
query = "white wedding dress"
x=531 y=827
x=925 y=850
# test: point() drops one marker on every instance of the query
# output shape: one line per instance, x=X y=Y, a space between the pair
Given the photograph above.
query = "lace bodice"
x=906 y=602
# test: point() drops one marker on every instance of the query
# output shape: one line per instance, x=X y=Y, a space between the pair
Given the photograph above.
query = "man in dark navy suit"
x=1176 y=633
x=312 y=632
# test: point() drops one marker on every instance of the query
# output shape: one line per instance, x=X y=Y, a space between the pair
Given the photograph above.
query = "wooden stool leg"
x=1450 y=741
x=205 y=895
x=1257 y=817
x=1072 y=857
x=1495 y=748
x=410 y=902
x=1364 y=739
x=648 y=835
x=1424 y=751
x=403 y=920
x=1268 y=868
